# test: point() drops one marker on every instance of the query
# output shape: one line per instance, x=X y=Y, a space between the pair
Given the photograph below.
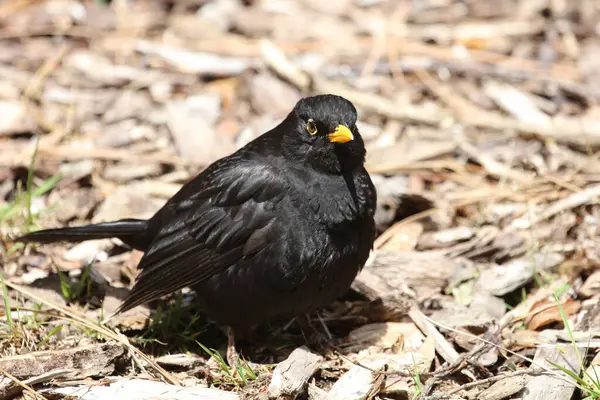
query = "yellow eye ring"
x=311 y=127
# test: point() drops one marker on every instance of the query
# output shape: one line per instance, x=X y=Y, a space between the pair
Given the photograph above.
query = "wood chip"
x=192 y=125
x=14 y=118
x=291 y=376
x=127 y=202
x=139 y=389
x=390 y=273
x=550 y=387
x=591 y=286
x=504 y=388
x=400 y=345
x=86 y=361
x=355 y=384
x=503 y=279
x=194 y=62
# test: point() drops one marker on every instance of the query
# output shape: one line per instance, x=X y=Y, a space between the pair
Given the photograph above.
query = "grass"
x=78 y=318
x=588 y=384
x=73 y=291
x=243 y=369
x=7 y=307
x=28 y=329
x=416 y=377
x=175 y=327
x=19 y=212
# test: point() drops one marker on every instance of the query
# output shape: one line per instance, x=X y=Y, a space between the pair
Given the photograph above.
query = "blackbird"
x=280 y=227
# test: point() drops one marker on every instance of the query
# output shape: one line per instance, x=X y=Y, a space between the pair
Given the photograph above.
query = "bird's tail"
x=130 y=231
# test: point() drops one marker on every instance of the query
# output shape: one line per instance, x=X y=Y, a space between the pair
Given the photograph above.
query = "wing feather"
x=210 y=230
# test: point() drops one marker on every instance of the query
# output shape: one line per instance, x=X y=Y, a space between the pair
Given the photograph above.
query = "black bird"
x=281 y=227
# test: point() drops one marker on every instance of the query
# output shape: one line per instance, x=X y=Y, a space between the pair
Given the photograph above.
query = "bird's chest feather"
x=335 y=223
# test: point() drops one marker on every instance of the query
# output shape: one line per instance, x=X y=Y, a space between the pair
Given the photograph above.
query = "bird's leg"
x=312 y=335
x=232 y=355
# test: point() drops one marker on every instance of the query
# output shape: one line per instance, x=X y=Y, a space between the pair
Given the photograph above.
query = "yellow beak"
x=341 y=135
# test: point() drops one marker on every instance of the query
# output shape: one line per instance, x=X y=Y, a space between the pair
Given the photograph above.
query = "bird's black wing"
x=221 y=217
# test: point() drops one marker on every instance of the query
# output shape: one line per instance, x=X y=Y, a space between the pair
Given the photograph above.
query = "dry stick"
x=466 y=358
x=98 y=328
x=33 y=87
x=464 y=108
x=443 y=370
x=574 y=200
x=22 y=384
x=48 y=376
x=442 y=346
x=68 y=153
x=379 y=37
x=480 y=382
x=455 y=102
x=556 y=70
x=391 y=231
x=494 y=167
x=571 y=130
x=32 y=90
x=282 y=65
x=448 y=369
x=498 y=169
x=524 y=358
x=417 y=165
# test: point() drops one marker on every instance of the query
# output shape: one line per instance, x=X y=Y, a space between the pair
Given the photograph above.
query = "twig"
x=10 y=392
x=574 y=200
x=68 y=153
x=33 y=88
x=22 y=384
x=514 y=353
x=579 y=131
x=443 y=347
x=277 y=59
x=392 y=230
x=480 y=382
x=82 y=319
x=494 y=167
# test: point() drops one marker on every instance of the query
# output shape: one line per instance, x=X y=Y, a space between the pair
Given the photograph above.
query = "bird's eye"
x=311 y=127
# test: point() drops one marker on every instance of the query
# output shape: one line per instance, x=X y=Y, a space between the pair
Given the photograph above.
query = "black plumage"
x=279 y=228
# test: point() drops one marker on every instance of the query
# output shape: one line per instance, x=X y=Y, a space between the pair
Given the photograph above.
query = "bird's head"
x=321 y=130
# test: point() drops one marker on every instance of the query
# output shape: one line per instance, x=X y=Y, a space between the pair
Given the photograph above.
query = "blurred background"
x=127 y=92
x=481 y=119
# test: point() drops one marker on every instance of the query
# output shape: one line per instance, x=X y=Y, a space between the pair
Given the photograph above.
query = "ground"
x=482 y=124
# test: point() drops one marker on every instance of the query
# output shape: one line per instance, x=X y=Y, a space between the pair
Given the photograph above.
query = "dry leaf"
x=545 y=312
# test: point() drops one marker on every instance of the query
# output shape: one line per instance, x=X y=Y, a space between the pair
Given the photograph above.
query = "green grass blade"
x=53 y=332
x=29 y=188
x=416 y=378
x=215 y=354
x=84 y=281
x=580 y=382
x=65 y=286
x=9 y=319
x=7 y=210
x=568 y=328
x=47 y=185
